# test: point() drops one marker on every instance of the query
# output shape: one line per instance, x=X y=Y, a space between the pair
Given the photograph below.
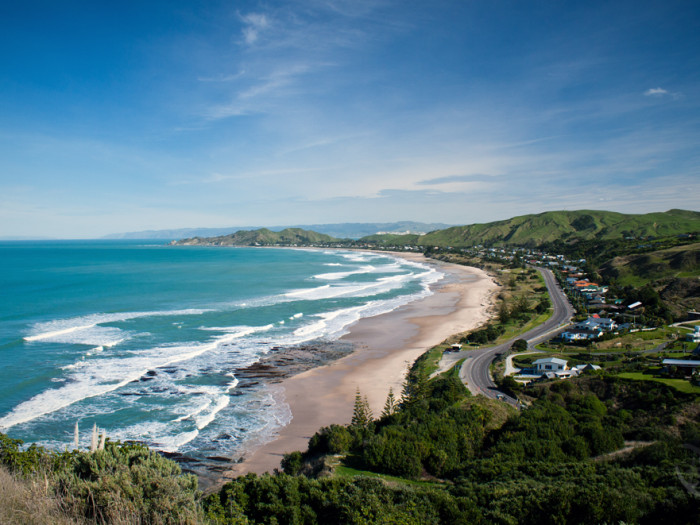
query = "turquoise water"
x=145 y=340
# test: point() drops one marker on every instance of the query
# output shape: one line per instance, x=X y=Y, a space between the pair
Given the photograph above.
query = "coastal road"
x=474 y=371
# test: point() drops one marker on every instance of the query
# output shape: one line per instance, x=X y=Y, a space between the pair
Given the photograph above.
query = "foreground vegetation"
x=436 y=456
x=549 y=464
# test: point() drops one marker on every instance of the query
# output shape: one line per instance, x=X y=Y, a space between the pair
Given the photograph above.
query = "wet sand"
x=385 y=346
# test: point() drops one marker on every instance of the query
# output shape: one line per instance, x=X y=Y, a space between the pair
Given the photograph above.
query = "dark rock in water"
x=151 y=373
x=146 y=378
x=180 y=458
x=284 y=362
x=219 y=458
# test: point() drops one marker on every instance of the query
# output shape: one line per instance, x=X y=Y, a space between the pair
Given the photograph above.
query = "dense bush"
x=536 y=467
x=124 y=483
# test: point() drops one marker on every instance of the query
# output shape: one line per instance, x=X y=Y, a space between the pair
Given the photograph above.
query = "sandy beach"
x=385 y=346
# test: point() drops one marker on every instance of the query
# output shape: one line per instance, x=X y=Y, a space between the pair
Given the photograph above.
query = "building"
x=596 y=323
x=550 y=364
x=580 y=334
x=694 y=337
x=688 y=365
x=587 y=367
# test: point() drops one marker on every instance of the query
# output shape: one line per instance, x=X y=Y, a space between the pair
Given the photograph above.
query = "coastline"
x=385 y=345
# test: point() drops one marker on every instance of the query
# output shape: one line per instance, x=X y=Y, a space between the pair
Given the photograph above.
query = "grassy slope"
x=640 y=269
x=679 y=384
x=533 y=230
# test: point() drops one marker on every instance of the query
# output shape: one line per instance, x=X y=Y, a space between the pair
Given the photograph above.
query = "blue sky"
x=159 y=115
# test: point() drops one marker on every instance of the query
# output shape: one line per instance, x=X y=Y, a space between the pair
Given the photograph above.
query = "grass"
x=342 y=470
x=429 y=361
x=500 y=411
x=629 y=342
x=29 y=502
x=516 y=330
x=454 y=371
x=681 y=385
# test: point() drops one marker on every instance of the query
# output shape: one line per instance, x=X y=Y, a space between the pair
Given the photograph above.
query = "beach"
x=385 y=346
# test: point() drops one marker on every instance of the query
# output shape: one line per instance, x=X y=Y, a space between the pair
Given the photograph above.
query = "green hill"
x=673 y=272
x=262 y=237
x=639 y=269
x=568 y=226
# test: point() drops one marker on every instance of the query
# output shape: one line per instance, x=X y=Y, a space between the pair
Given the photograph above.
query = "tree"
x=520 y=345
x=390 y=405
x=361 y=414
x=503 y=313
x=543 y=305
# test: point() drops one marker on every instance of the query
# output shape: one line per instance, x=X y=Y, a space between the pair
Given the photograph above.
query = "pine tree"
x=414 y=388
x=390 y=405
x=368 y=411
x=361 y=413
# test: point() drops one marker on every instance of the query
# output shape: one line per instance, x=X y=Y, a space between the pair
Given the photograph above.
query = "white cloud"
x=655 y=92
x=254 y=23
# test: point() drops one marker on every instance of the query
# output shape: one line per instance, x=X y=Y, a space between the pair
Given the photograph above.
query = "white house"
x=695 y=336
x=581 y=334
x=550 y=364
x=597 y=323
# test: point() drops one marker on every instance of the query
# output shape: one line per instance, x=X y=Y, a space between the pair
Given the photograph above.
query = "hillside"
x=673 y=272
x=534 y=230
x=640 y=269
x=553 y=226
x=262 y=237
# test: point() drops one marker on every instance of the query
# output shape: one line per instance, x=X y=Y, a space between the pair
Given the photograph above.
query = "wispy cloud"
x=254 y=24
x=223 y=78
x=281 y=47
x=449 y=179
x=660 y=92
x=655 y=92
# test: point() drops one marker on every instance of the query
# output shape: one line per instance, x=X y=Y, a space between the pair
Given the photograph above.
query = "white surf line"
x=50 y=401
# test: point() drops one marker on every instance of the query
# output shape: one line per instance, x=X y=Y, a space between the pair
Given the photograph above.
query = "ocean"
x=160 y=344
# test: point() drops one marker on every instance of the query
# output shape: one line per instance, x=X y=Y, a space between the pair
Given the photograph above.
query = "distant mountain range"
x=341 y=230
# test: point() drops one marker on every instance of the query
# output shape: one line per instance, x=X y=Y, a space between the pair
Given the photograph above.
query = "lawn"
x=679 y=384
x=345 y=471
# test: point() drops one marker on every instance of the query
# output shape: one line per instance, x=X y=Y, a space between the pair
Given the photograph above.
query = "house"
x=682 y=363
x=695 y=336
x=587 y=367
x=581 y=334
x=561 y=374
x=550 y=364
x=596 y=323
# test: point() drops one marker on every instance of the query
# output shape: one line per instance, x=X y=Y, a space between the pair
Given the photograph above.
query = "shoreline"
x=385 y=345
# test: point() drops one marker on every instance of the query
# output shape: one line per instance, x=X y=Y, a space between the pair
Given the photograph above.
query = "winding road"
x=474 y=371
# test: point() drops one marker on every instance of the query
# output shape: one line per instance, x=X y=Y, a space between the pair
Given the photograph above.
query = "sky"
x=129 y=116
